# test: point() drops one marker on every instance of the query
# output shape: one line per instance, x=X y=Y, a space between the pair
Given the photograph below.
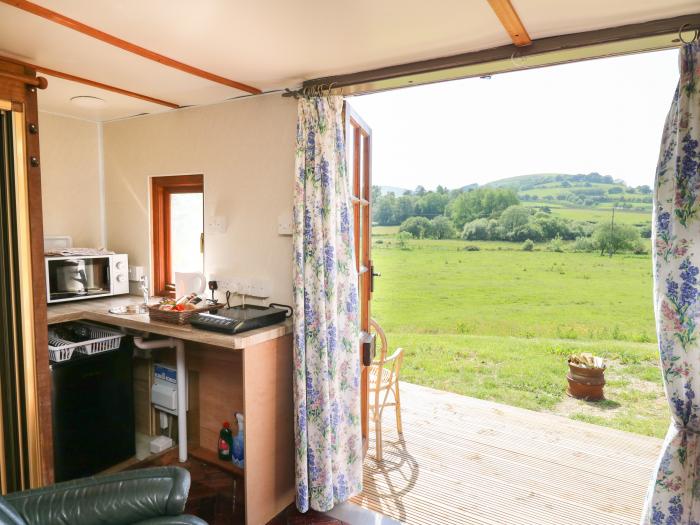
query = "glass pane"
x=349 y=161
x=186 y=227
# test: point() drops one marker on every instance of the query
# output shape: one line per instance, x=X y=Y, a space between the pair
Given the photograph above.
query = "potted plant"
x=586 y=377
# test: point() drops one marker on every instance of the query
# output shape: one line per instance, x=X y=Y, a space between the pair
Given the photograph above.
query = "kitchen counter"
x=98 y=310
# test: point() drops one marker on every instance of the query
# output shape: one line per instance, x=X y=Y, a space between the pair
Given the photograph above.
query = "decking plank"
x=474 y=462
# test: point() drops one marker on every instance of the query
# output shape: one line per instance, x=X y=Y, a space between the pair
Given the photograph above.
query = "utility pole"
x=612 y=231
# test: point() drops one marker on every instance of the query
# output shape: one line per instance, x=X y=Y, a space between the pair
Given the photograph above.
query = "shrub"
x=402 y=239
x=583 y=244
x=612 y=239
x=476 y=230
x=528 y=245
x=416 y=226
x=556 y=245
x=471 y=248
x=441 y=228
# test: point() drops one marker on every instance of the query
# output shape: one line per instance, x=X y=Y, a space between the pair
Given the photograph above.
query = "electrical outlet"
x=225 y=283
x=285 y=224
x=259 y=288
x=217 y=224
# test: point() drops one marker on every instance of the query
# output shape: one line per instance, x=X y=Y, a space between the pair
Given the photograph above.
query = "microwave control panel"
x=120 y=273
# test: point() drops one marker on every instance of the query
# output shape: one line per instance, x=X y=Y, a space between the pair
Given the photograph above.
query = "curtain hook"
x=517 y=61
x=696 y=34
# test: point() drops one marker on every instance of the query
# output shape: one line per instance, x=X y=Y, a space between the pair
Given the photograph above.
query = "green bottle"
x=225 y=442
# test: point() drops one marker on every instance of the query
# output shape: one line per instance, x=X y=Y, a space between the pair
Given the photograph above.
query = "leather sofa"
x=154 y=496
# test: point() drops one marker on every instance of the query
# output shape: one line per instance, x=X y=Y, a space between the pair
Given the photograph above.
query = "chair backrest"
x=381 y=352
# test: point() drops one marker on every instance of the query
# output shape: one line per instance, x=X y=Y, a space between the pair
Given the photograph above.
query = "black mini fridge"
x=93 y=412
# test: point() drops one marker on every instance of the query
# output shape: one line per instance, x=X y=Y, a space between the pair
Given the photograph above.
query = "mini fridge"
x=93 y=412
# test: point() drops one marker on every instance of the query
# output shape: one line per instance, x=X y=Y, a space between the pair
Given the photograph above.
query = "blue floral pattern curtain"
x=674 y=492
x=326 y=331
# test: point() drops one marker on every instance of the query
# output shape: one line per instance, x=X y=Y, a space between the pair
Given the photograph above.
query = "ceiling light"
x=85 y=101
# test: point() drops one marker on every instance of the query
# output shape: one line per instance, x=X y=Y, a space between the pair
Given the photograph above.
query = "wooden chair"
x=383 y=379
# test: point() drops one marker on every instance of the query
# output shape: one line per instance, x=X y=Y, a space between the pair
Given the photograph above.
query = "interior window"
x=178 y=229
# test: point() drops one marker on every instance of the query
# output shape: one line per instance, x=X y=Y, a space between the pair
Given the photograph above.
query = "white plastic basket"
x=102 y=339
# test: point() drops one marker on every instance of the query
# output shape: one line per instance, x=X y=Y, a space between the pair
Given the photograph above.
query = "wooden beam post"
x=511 y=22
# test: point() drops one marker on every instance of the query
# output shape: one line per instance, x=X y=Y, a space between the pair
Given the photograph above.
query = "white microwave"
x=72 y=278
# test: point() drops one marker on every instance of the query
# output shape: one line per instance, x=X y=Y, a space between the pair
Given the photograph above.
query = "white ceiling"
x=272 y=44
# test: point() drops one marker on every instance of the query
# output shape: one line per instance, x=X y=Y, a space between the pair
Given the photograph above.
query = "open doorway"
x=512 y=224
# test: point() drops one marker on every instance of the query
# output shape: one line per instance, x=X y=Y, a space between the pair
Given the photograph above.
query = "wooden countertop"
x=98 y=310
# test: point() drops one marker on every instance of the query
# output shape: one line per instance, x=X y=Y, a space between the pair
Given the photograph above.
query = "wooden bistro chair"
x=383 y=379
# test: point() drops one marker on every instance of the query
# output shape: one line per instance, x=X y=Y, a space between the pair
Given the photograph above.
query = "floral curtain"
x=674 y=492
x=326 y=331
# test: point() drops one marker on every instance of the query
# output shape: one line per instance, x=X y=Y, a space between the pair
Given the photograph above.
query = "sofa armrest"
x=182 y=519
x=118 y=499
x=8 y=514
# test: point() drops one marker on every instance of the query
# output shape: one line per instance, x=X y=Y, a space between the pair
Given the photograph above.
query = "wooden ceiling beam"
x=511 y=22
x=88 y=82
x=70 y=23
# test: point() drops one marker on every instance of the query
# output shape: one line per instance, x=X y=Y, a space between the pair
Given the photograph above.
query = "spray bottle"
x=237 y=449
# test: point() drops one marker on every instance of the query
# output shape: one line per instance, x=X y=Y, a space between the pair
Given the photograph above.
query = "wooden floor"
x=466 y=461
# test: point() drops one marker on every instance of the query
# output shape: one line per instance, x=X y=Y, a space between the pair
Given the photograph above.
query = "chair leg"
x=399 y=426
x=378 y=434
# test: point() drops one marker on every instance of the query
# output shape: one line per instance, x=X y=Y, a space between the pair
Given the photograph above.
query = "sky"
x=602 y=115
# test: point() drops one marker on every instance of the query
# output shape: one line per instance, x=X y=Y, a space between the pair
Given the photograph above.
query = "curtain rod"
x=656 y=28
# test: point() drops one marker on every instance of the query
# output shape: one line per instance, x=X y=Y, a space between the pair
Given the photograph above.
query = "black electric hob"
x=241 y=318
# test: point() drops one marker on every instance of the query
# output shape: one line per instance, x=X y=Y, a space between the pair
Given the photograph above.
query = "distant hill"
x=386 y=190
x=580 y=190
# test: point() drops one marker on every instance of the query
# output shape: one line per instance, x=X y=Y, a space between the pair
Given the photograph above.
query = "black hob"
x=241 y=318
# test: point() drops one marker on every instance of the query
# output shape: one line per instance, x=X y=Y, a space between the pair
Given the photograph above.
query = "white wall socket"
x=217 y=224
x=285 y=224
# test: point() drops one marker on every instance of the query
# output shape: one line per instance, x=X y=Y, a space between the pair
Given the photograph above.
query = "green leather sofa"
x=154 y=496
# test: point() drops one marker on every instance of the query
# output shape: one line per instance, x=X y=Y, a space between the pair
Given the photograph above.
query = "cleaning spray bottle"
x=237 y=449
x=225 y=441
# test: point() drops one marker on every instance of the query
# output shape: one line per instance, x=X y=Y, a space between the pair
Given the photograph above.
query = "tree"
x=514 y=217
x=480 y=203
x=476 y=230
x=441 y=228
x=431 y=204
x=416 y=226
x=385 y=210
x=614 y=238
x=420 y=191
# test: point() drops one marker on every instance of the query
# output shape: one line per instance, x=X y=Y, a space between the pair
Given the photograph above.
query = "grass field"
x=498 y=324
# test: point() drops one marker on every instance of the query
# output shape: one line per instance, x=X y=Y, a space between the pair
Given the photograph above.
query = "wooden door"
x=359 y=161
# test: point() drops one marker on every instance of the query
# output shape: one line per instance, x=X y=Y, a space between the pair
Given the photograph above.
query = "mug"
x=188 y=282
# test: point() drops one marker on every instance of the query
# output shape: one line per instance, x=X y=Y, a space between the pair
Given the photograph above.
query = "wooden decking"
x=467 y=461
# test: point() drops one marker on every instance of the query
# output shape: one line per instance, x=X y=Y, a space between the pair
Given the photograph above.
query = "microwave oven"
x=71 y=278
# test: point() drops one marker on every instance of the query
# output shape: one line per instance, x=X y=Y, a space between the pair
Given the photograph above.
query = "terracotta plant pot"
x=590 y=391
x=588 y=376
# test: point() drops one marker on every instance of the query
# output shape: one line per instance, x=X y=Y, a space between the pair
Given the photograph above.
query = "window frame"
x=161 y=190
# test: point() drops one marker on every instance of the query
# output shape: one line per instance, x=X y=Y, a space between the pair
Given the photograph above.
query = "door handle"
x=373 y=274
x=369 y=347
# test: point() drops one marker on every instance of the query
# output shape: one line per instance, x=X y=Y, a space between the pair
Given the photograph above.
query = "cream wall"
x=70 y=179
x=245 y=150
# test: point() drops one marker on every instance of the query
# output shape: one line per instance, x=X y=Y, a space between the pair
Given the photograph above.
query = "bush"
x=402 y=239
x=416 y=226
x=441 y=228
x=471 y=248
x=556 y=245
x=612 y=239
x=528 y=245
x=583 y=244
x=476 y=230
